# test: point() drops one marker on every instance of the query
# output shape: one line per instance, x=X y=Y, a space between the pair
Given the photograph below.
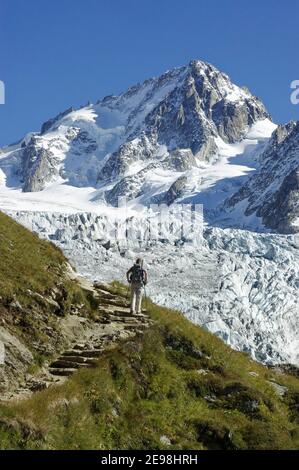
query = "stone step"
x=128 y=319
x=135 y=326
x=107 y=309
x=122 y=313
x=116 y=303
x=104 y=314
x=102 y=286
x=127 y=313
x=80 y=346
x=141 y=316
x=88 y=353
x=121 y=319
x=77 y=359
x=114 y=298
x=107 y=294
x=106 y=290
x=62 y=372
x=65 y=364
x=103 y=320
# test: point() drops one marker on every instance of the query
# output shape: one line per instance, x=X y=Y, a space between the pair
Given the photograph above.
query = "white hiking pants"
x=136 y=297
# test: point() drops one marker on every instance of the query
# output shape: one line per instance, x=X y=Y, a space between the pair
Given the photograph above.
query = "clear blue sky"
x=58 y=53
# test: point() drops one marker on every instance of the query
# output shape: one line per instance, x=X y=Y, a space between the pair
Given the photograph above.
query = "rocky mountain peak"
x=128 y=145
x=272 y=193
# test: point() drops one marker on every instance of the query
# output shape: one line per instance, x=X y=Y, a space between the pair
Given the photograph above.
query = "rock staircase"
x=116 y=322
x=113 y=323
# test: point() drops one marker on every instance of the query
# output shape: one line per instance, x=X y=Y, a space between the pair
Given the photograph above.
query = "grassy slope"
x=151 y=387
x=28 y=264
x=34 y=292
x=148 y=388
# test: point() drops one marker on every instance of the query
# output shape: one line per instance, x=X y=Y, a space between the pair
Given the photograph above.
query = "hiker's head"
x=138 y=261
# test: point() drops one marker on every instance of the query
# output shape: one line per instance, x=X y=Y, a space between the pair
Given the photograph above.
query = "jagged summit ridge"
x=190 y=128
x=186 y=108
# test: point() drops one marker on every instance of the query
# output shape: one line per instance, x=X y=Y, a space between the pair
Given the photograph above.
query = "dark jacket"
x=138 y=271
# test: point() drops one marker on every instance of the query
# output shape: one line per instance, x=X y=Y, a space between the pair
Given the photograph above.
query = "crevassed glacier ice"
x=240 y=285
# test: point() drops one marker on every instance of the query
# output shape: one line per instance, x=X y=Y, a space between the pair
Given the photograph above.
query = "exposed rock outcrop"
x=38 y=166
x=272 y=193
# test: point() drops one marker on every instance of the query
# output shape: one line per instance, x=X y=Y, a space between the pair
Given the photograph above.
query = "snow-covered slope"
x=273 y=192
x=138 y=144
x=188 y=136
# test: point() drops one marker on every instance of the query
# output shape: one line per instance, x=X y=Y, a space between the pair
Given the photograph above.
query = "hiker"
x=137 y=277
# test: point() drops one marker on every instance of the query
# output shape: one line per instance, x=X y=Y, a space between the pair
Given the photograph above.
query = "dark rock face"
x=231 y=120
x=38 y=167
x=175 y=191
x=48 y=124
x=202 y=108
x=130 y=186
x=180 y=160
x=139 y=149
x=273 y=192
x=84 y=143
x=40 y=164
x=179 y=121
x=281 y=213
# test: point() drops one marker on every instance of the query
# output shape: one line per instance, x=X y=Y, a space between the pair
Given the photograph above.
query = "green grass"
x=29 y=265
x=151 y=387
x=26 y=262
x=176 y=380
x=32 y=273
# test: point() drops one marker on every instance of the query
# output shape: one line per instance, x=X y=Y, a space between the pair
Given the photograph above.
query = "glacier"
x=241 y=285
x=190 y=136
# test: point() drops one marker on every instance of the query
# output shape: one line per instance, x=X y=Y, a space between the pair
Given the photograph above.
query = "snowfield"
x=210 y=183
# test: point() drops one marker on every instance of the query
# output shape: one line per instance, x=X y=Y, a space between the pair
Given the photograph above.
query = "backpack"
x=137 y=274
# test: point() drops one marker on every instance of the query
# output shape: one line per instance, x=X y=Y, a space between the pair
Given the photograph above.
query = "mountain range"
x=190 y=136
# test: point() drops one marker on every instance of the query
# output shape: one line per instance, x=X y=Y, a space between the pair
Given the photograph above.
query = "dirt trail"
x=88 y=339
